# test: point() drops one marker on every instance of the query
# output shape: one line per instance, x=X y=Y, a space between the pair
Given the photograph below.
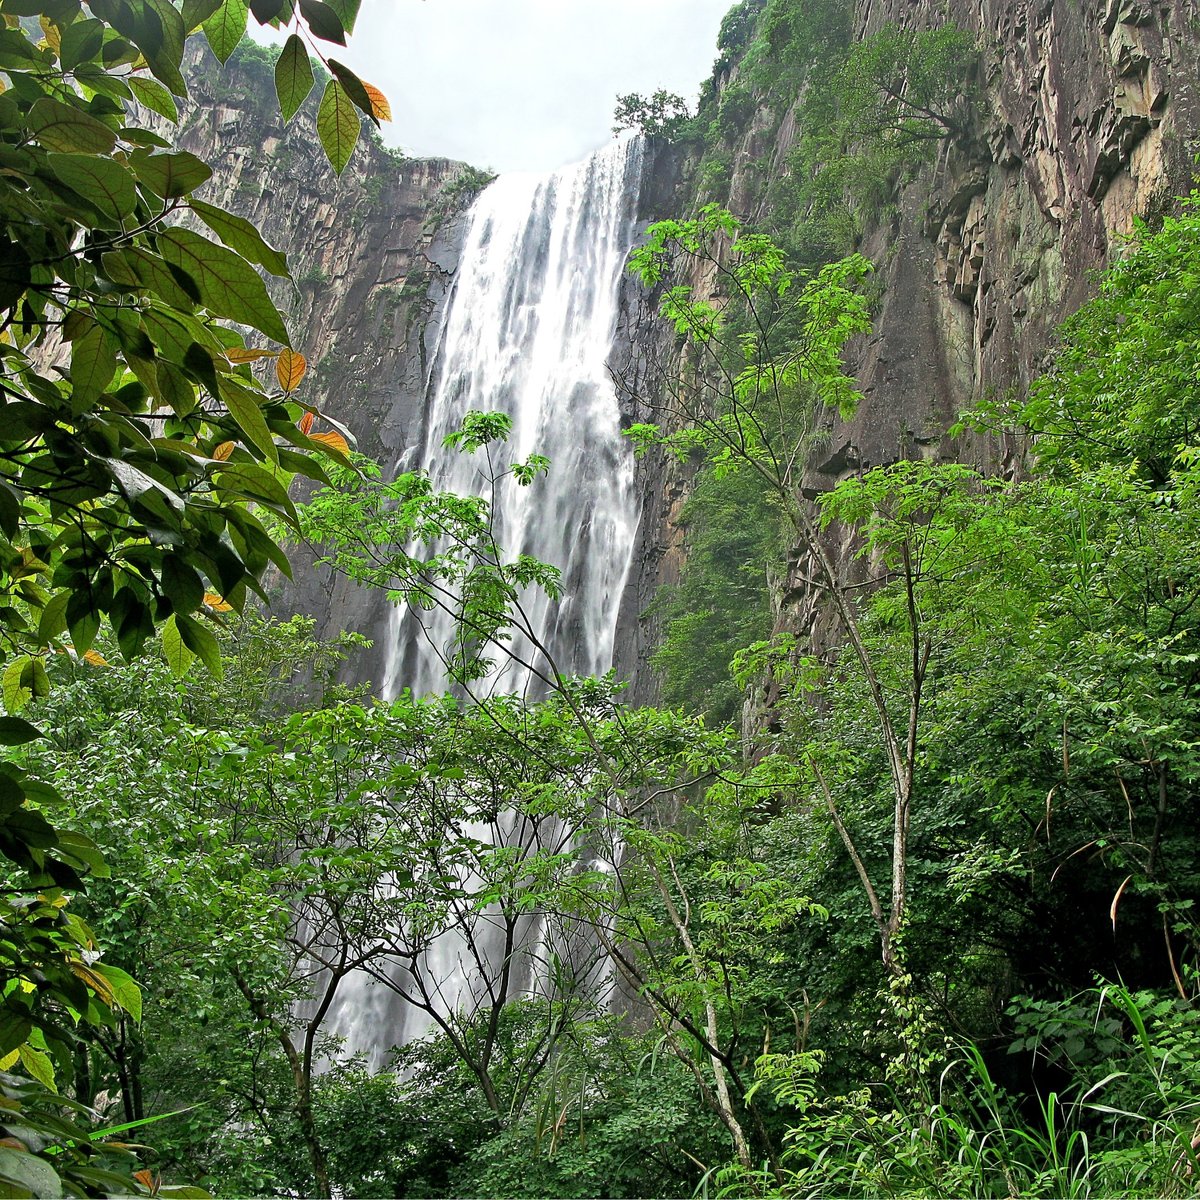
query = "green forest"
x=895 y=895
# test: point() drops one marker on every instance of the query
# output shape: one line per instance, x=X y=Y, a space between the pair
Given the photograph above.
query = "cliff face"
x=371 y=254
x=1089 y=119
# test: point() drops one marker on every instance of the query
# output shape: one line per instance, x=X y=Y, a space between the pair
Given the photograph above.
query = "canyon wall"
x=371 y=253
x=1088 y=119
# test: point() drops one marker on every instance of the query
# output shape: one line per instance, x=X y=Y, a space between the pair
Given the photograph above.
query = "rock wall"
x=1090 y=119
x=371 y=254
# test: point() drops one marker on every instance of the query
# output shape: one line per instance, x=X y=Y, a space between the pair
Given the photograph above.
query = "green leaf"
x=154 y=96
x=338 y=125
x=64 y=127
x=245 y=407
x=15 y=272
x=293 y=76
x=16 y=696
x=102 y=181
x=80 y=42
x=53 y=620
x=26 y=1171
x=229 y=286
x=178 y=656
x=93 y=364
x=182 y=584
x=347 y=12
x=16 y=732
x=201 y=642
x=266 y=11
x=125 y=989
x=240 y=235
x=169 y=175
x=196 y=12
x=255 y=483
x=323 y=20
x=39 y=1066
x=226 y=28
x=83 y=621
x=14 y=1029
x=354 y=88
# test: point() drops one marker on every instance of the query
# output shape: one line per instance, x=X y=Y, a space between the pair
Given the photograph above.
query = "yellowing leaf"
x=379 y=102
x=289 y=369
x=223 y=451
x=245 y=354
x=95 y=659
x=217 y=603
x=9 y=1061
x=334 y=441
x=96 y=982
x=53 y=36
x=306 y=422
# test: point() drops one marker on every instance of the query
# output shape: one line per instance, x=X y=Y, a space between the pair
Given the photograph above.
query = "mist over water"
x=530 y=325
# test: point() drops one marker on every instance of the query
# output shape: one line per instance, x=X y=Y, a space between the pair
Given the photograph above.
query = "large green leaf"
x=240 y=235
x=154 y=96
x=196 y=12
x=246 y=410
x=93 y=364
x=63 y=127
x=80 y=42
x=338 y=125
x=28 y=1174
x=169 y=175
x=323 y=20
x=293 y=76
x=226 y=28
x=202 y=643
x=347 y=12
x=125 y=990
x=229 y=286
x=103 y=181
x=15 y=732
x=178 y=656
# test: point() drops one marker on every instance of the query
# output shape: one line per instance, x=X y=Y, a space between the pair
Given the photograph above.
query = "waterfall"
x=529 y=328
x=528 y=333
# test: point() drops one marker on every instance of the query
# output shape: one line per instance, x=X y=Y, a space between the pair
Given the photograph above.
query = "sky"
x=524 y=85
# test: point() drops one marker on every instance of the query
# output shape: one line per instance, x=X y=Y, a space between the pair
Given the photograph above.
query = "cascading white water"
x=529 y=329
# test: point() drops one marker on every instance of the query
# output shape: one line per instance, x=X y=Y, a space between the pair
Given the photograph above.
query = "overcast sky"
x=525 y=85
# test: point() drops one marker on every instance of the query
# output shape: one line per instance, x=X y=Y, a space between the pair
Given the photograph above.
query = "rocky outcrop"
x=1089 y=119
x=371 y=254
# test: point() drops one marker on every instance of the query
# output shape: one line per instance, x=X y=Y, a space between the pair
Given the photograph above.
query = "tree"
x=135 y=438
x=663 y=115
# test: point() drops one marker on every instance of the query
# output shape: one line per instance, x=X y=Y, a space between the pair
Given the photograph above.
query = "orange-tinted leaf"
x=52 y=32
x=289 y=369
x=244 y=354
x=97 y=660
x=379 y=102
x=334 y=440
x=217 y=603
x=306 y=422
x=223 y=451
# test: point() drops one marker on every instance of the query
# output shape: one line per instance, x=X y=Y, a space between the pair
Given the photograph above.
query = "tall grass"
x=1129 y=1128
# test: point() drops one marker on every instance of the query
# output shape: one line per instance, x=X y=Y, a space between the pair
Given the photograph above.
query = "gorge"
x=675 y=676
